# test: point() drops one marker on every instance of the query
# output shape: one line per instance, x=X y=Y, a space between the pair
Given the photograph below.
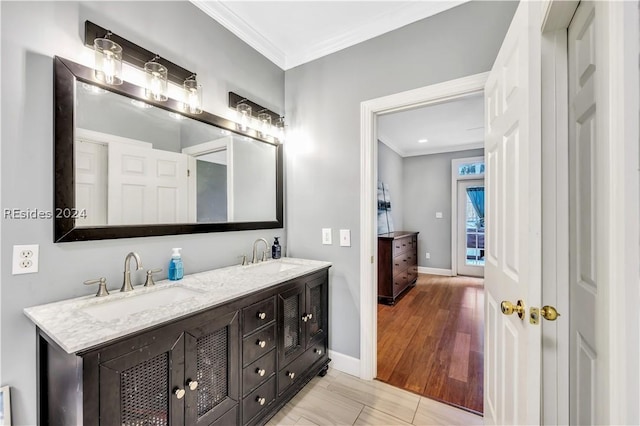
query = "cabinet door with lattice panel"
x=136 y=388
x=212 y=357
x=316 y=310
x=291 y=336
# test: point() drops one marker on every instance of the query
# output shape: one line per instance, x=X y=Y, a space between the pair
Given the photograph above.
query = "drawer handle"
x=262 y=315
x=193 y=385
x=260 y=400
x=291 y=375
x=260 y=371
x=397 y=264
x=179 y=393
x=404 y=245
x=261 y=343
x=318 y=351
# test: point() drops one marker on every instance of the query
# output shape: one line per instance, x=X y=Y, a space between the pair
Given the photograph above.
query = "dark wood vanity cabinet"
x=227 y=365
x=397 y=264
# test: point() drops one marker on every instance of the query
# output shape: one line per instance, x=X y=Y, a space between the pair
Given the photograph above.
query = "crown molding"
x=382 y=24
x=238 y=26
x=445 y=148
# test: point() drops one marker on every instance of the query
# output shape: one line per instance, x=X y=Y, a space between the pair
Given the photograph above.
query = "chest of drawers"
x=397 y=264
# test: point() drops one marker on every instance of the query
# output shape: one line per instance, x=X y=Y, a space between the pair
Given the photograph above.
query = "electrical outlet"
x=326 y=236
x=439 y=215
x=428 y=255
x=25 y=259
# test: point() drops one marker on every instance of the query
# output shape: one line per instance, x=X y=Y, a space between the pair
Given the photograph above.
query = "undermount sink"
x=121 y=308
x=271 y=267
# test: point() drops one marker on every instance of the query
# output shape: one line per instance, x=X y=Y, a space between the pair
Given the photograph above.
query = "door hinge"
x=188 y=173
x=371 y=259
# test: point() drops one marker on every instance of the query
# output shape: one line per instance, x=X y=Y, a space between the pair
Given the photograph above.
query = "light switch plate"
x=326 y=236
x=345 y=238
x=438 y=215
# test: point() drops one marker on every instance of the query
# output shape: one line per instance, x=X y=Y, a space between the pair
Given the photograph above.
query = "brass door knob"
x=549 y=313
x=509 y=308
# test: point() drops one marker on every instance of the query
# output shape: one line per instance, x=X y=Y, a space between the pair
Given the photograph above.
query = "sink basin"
x=271 y=267
x=122 y=308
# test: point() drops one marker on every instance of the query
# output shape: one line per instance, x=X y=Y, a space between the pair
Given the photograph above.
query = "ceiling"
x=291 y=33
x=450 y=126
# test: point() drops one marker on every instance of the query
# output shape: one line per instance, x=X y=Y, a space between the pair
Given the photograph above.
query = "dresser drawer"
x=258 y=344
x=258 y=400
x=400 y=263
x=259 y=371
x=258 y=315
x=400 y=245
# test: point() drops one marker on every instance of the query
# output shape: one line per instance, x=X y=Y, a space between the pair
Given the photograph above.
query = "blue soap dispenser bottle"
x=276 y=249
x=176 y=269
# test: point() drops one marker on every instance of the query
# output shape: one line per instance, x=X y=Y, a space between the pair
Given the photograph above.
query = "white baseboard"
x=434 y=271
x=345 y=363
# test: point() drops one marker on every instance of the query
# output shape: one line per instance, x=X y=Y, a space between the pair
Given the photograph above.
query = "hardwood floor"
x=431 y=341
x=341 y=399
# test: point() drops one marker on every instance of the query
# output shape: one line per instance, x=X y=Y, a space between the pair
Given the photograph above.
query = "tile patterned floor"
x=341 y=399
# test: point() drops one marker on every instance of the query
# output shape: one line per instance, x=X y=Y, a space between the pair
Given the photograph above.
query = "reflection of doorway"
x=470 y=220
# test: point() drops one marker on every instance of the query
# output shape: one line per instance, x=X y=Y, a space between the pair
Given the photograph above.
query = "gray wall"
x=390 y=172
x=211 y=187
x=427 y=190
x=323 y=144
x=254 y=180
x=31 y=34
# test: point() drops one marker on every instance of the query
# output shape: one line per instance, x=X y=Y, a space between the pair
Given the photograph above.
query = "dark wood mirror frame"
x=66 y=73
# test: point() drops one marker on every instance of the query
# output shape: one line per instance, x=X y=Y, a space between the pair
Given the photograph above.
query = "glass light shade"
x=156 y=81
x=280 y=129
x=108 y=61
x=193 y=96
x=265 y=124
x=244 y=115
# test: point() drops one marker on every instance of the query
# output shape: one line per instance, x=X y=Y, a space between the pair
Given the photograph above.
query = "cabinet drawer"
x=260 y=370
x=258 y=315
x=292 y=373
x=258 y=400
x=258 y=344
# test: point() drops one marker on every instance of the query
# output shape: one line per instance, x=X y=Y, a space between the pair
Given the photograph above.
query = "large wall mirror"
x=127 y=166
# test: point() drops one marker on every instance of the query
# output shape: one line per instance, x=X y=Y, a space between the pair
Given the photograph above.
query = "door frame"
x=620 y=367
x=455 y=178
x=369 y=112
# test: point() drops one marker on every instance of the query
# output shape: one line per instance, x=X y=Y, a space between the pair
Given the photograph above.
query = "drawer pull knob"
x=261 y=343
x=260 y=371
x=305 y=318
x=260 y=400
x=310 y=316
x=193 y=384
x=179 y=393
x=262 y=315
x=318 y=351
x=291 y=375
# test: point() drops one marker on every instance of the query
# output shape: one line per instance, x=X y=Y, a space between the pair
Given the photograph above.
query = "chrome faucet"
x=126 y=285
x=255 y=251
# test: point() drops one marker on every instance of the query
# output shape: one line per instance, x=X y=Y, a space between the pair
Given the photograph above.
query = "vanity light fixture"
x=265 y=124
x=156 y=80
x=280 y=129
x=108 y=60
x=128 y=52
x=244 y=114
x=193 y=95
x=264 y=117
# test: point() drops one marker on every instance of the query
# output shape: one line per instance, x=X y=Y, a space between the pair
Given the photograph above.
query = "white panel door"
x=91 y=182
x=587 y=253
x=513 y=224
x=147 y=186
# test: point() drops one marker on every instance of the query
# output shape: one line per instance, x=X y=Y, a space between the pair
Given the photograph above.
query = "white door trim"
x=369 y=111
x=620 y=74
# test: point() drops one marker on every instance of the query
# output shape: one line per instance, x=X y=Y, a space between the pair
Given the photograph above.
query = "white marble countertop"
x=76 y=324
